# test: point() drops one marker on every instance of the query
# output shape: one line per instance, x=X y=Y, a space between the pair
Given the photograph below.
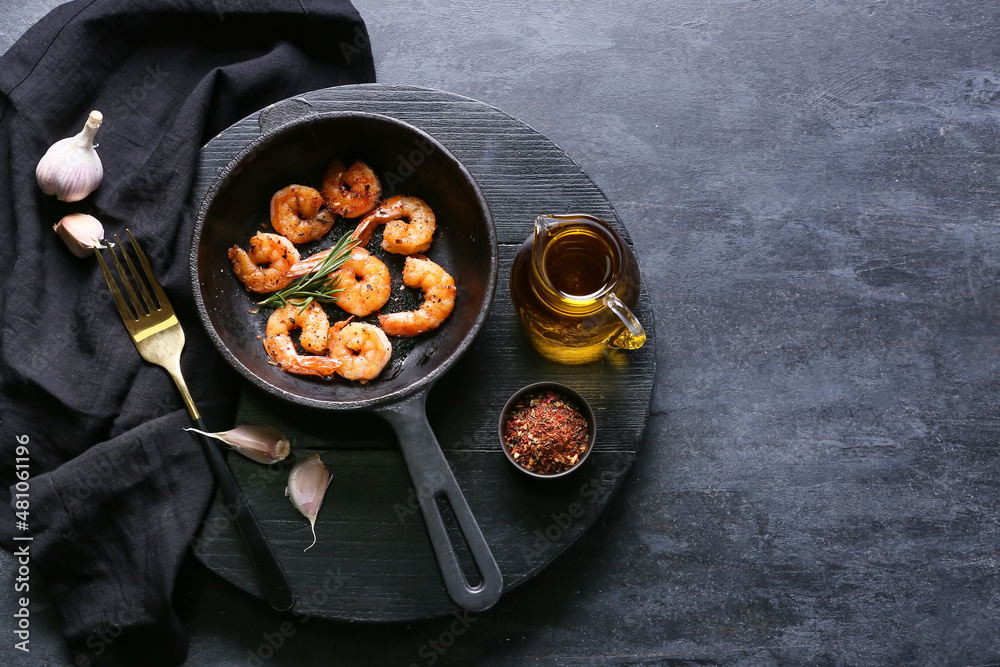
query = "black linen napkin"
x=117 y=487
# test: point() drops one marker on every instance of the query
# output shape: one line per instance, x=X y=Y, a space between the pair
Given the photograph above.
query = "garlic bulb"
x=263 y=444
x=71 y=168
x=80 y=232
x=306 y=487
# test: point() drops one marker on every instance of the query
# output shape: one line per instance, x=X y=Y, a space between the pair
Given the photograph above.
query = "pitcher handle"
x=633 y=335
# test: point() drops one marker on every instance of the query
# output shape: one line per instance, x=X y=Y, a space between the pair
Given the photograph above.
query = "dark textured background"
x=811 y=188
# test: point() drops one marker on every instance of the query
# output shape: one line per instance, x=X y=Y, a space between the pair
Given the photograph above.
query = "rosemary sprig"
x=316 y=285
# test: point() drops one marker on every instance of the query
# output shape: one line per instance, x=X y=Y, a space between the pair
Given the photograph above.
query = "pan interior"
x=407 y=162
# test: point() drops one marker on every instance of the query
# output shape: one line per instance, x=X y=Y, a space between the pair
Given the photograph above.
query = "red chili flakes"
x=545 y=434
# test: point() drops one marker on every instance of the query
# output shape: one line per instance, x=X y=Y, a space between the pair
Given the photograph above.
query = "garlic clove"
x=71 y=168
x=307 y=485
x=80 y=232
x=263 y=444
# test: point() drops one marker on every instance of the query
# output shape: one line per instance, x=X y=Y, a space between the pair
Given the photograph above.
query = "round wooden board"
x=373 y=560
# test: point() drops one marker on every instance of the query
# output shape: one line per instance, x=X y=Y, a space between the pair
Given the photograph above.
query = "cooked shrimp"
x=439 y=299
x=351 y=192
x=361 y=349
x=364 y=281
x=296 y=214
x=409 y=225
x=362 y=234
x=265 y=268
x=304 y=266
x=315 y=328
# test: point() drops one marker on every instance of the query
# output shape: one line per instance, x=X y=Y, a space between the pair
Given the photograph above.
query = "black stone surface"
x=811 y=188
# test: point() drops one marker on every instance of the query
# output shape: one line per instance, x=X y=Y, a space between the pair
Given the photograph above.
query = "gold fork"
x=158 y=336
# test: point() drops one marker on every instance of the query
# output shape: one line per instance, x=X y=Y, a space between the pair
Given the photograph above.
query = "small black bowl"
x=572 y=397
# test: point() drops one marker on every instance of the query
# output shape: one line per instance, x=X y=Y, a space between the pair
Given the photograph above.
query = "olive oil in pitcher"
x=575 y=284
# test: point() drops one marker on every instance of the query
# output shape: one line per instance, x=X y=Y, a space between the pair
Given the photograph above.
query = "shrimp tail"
x=365 y=229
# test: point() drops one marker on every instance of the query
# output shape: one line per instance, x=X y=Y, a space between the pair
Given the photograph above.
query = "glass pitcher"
x=575 y=285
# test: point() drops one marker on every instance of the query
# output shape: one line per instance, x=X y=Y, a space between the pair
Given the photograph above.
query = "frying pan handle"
x=433 y=478
x=283 y=112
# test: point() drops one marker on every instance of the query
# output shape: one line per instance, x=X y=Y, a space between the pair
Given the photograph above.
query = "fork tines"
x=139 y=309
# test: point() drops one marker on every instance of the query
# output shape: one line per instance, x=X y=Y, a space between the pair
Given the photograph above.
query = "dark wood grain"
x=373 y=560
